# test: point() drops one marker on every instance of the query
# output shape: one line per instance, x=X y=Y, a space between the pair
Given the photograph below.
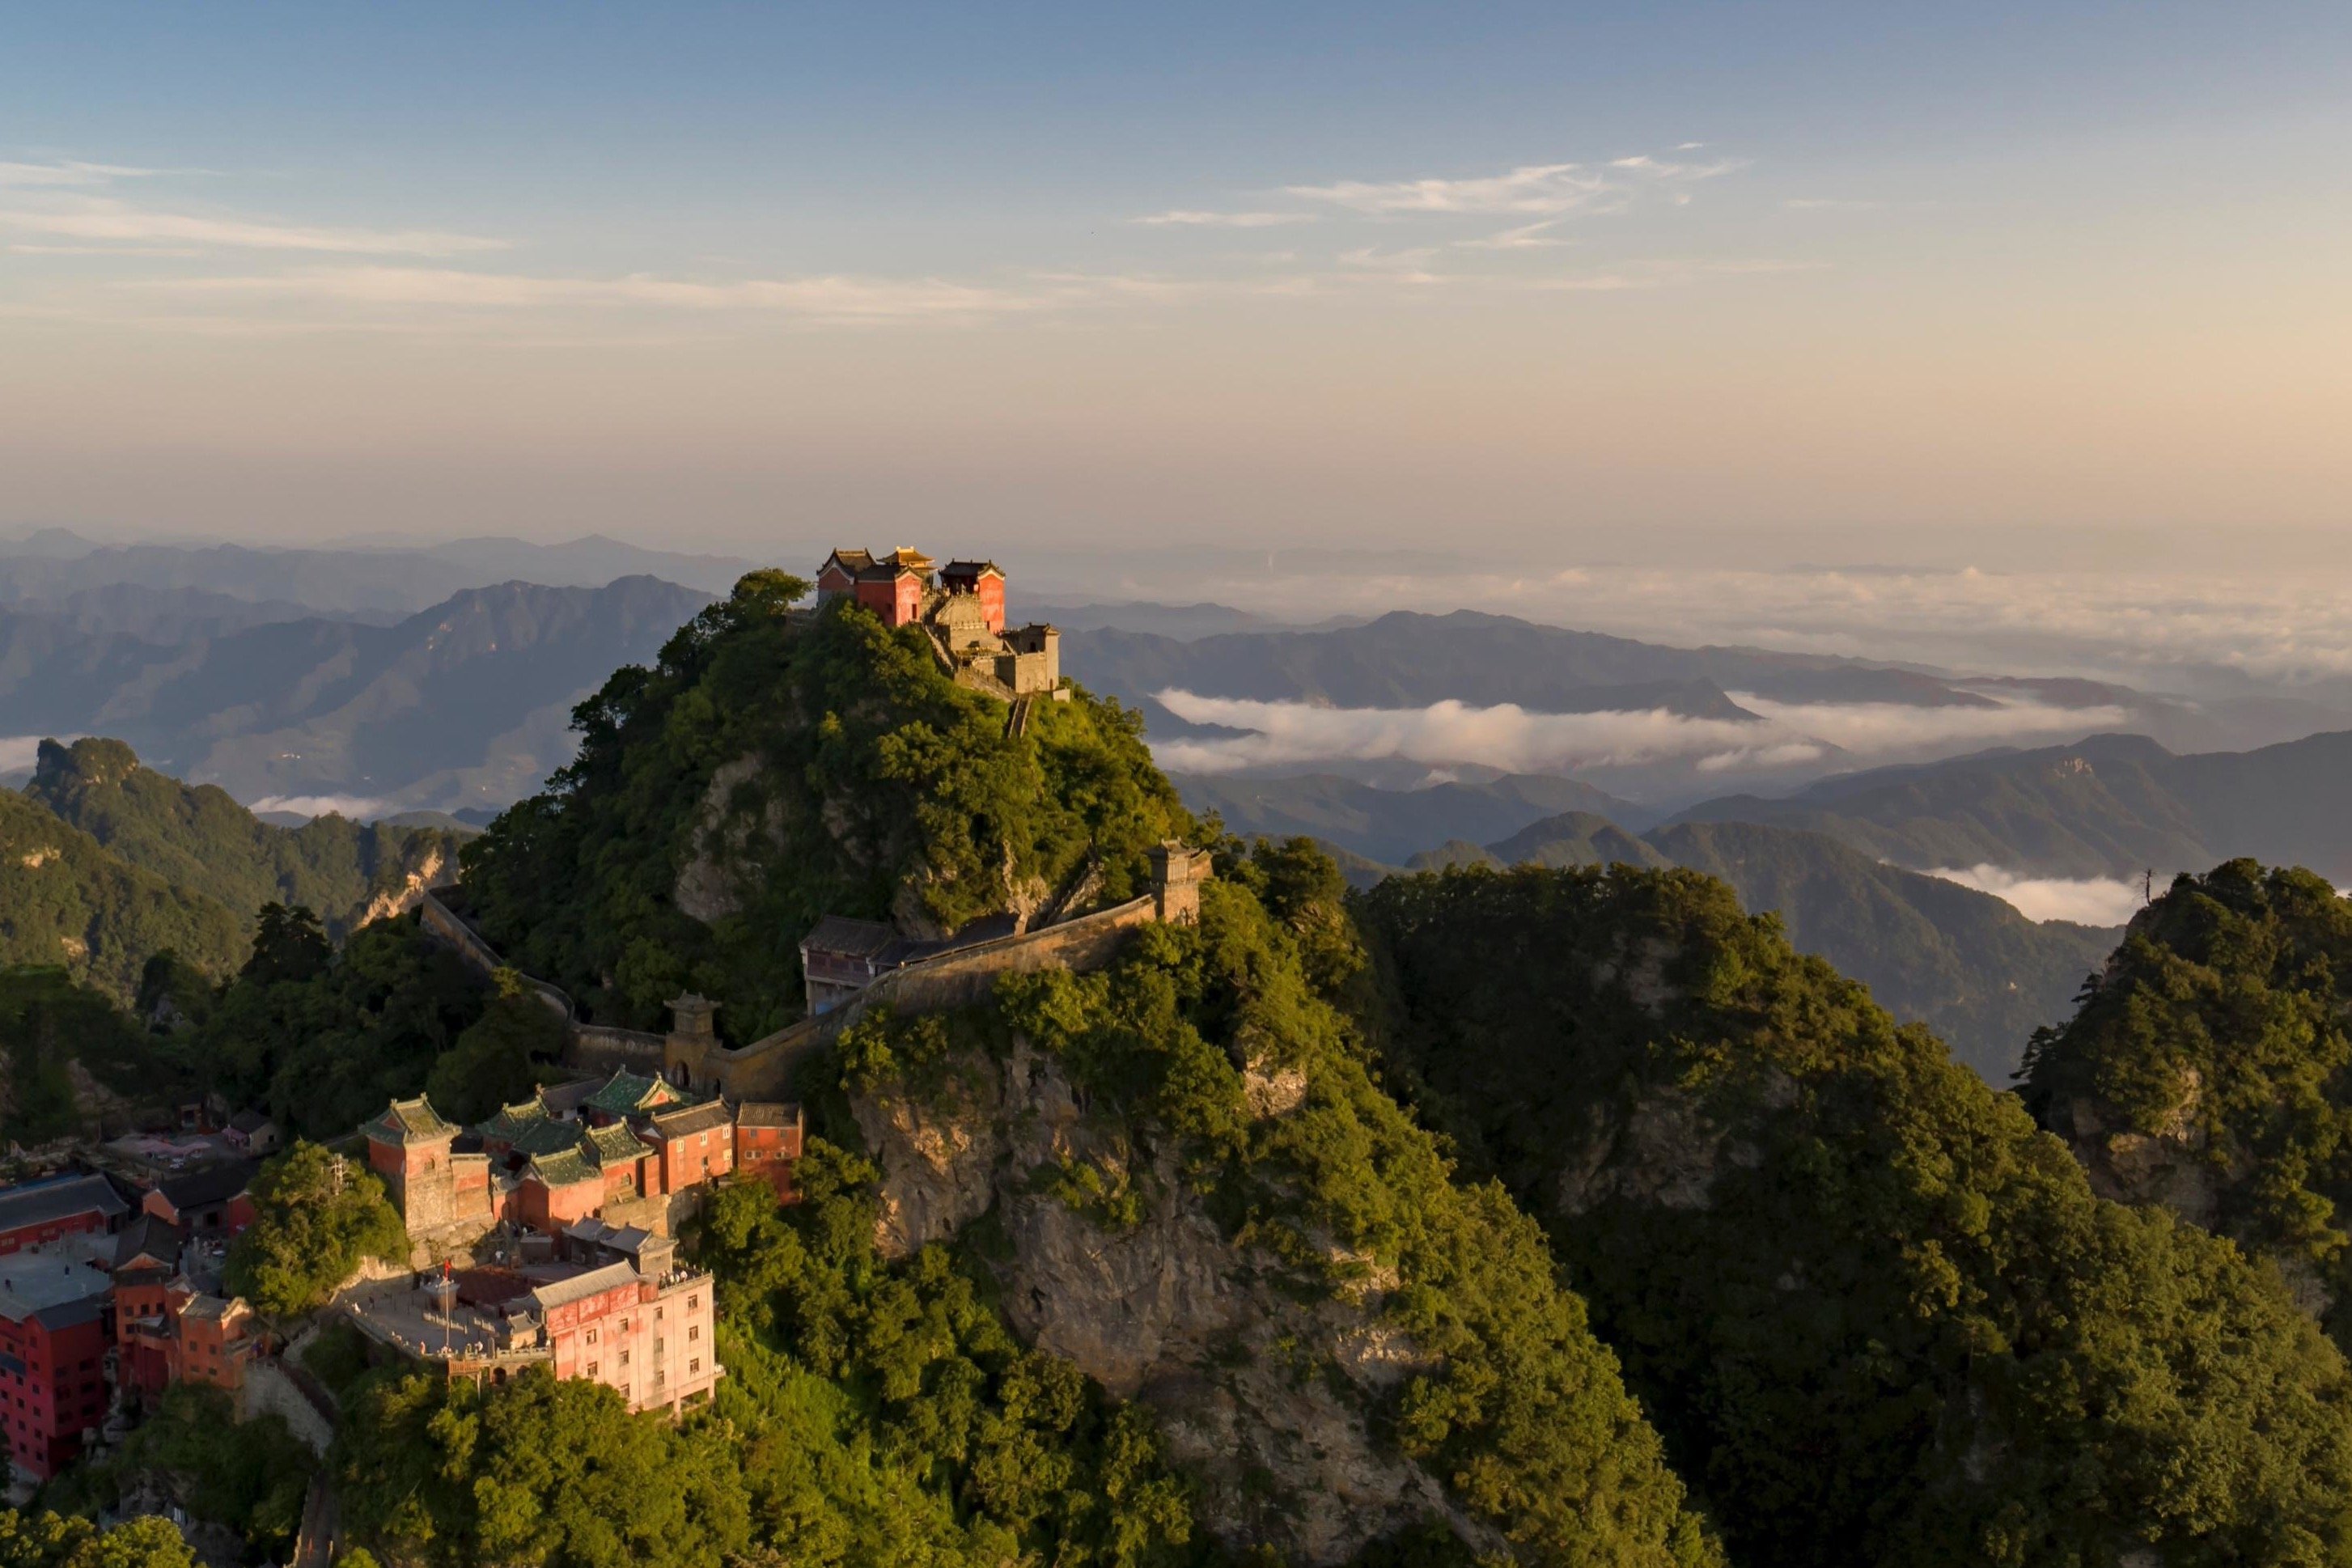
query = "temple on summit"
x=960 y=605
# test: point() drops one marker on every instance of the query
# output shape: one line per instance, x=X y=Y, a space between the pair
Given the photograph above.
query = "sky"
x=1738 y=285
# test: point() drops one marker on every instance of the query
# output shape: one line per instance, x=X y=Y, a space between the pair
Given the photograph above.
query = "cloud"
x=1824 y=203
x=1526 y=236
x=1667 y=273
x=831 y=297
x=69 y=174
x=1532 y=189
x=1184 y=219
x=1506 y=736
x=1411 y=265
x=2087 y=901
x=19 y=753
x=358 y=807
x=97 y=218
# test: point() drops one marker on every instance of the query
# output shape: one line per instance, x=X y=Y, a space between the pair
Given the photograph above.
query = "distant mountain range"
x=2110 y=805
x=1966 y=963
x=52 y=564
x=464 y=705
x=1388 y=825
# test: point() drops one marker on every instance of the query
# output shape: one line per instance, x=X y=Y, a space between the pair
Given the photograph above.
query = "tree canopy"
x=1879 y=1316
x=317 y=1216
x=770 y=770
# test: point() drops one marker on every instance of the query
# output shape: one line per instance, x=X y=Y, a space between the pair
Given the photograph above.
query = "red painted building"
x=985 y=581
x=213 y=1200
x=768 y=1144
x=53 y=1325
x=649 y=1337
x=37 y=1213
x=893 y=586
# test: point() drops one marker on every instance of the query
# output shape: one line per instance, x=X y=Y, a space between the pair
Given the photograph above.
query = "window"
x=592 y=1368
x=692 y=1302
x=694 y=1333
x=591 y=1336
x=694 y=1366
x=625 y=1358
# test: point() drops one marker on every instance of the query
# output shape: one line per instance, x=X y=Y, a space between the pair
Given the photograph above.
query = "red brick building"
x=53 y=1325
x=35 y=1214
x=984 y=581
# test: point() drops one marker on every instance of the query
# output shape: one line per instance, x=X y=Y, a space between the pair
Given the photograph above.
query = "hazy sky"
x=1884 y=282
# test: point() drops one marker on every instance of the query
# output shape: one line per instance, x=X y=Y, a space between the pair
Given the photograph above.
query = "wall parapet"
x=763 y=1069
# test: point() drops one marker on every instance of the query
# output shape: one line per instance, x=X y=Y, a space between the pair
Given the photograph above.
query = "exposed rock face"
x=1264 y=1399
x=2166 y=1166
x=392 y=901
x=719 y=838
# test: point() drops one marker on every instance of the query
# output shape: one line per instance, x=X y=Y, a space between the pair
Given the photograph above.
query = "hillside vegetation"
x=762 y=774
x=199 y=836
x=65 y=901
x=1966 y=963
x=1878 y=1316
x=2210 y=1070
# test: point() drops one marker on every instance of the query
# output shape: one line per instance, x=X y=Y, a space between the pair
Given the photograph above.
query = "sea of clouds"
x=2087 y=901
x=358 y=807
x=1506 y=736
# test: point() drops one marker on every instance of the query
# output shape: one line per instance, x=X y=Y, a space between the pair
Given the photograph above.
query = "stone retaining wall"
x=450 y=927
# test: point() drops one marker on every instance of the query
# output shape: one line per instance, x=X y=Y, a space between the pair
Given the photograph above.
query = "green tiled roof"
x=627 y=1094
x=409 y=1121
x=548 y=1137
x=614 y=1146
x=565 y=1168
x=512 y=1120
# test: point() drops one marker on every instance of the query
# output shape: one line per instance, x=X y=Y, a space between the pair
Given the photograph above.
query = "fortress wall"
x=763 y=1069
x=444 y=922
x=598 y=1047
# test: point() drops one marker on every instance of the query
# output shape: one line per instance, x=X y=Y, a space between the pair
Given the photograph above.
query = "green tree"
x=1878 y=1315
x=317 y=1217
x=499 y=1058
x=288 y=944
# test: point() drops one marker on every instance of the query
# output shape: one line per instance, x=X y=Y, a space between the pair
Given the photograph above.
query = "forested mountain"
x=2108 y=806
x=199 y=836
x=1966 y=963
x=1878 y=1316
x=1389 y=825
x=65 y=901
x=2210 y=1070
x=1364 y=1355
x=462 y=704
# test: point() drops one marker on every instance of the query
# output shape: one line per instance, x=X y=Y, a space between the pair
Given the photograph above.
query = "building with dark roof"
x=212 y=1199
x=962 y=608
x=32 y=1213
x=52 y=1350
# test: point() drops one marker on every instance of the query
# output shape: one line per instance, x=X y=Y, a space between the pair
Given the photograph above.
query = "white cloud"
x=1526 y=236
x=2087 y=901
x=1533 y=189
x=19 y=753
x=98 y=218
x=1666 y=273
x=1510 y=737
x=69 y=174
x=1184 y=219
x=358 y=807
x=832 y=298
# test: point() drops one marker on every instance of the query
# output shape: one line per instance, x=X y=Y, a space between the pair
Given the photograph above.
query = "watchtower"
x=692 y=1041
x=1176 y=873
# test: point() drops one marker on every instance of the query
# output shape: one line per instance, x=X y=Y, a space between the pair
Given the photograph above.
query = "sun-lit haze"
x=1838 y=282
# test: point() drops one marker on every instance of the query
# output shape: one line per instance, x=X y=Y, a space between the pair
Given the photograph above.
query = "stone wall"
x=763 y=1069
x=599 y=1048
x=269 y=1391
x=446 y=923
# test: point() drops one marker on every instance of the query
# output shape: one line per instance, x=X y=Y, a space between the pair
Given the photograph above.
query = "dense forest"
x=1562 y=1216
x=2209 y=1069
x=761 y=775
x=1879 y=1317
x=198 y=835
